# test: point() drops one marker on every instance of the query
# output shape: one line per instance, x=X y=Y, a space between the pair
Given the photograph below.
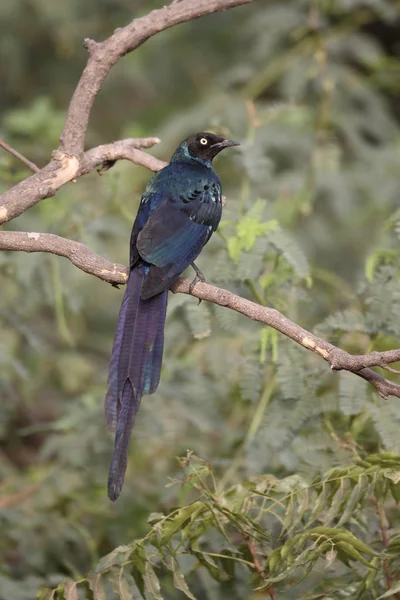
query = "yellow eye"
x=204 y=141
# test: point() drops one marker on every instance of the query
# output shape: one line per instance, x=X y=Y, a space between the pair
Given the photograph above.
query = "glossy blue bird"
x=180 y=209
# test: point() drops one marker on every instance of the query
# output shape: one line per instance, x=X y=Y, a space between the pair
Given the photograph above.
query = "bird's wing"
x=174 y=235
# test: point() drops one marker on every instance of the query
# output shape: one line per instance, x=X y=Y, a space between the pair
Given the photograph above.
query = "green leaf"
x=249 y=229
x=353 y=499
x=352 y=553
x=214 y=570
x=177 y=522
x=70 y=590
x=336 y=504
x=395 y=491
x=297 y=542
x=152 y=585
x=274 y=560
x=120 y=583
x=349 y=538
x=227 y=561
x=46 y=594
x=234 y=248
x=179 y=580
x=96 y=584
x=116 y=557
x=138 y=576
x=138 y=570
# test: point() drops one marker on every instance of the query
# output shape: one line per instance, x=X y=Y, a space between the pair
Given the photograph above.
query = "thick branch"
x=64 y=168
x=79 y=254
x=90 y=262
x=104 y=55
x=69 y=161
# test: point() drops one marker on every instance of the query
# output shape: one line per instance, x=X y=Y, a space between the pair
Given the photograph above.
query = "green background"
x=311 y=90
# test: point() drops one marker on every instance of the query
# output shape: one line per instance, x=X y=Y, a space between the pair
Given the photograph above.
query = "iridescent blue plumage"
x=179 y=210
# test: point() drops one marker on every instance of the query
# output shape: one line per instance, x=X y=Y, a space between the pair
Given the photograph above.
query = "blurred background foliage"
x=311 y=89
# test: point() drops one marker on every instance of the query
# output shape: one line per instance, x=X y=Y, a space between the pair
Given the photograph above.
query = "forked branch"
x=69 y=161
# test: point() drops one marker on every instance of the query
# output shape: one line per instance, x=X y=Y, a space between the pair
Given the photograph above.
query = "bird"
x=179 y=210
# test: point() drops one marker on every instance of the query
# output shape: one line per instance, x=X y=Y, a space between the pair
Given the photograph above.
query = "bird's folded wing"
x=173 y=238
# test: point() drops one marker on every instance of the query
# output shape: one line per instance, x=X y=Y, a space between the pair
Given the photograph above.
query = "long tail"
x=134 y=367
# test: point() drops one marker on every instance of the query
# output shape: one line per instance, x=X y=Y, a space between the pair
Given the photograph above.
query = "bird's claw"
x=199 y=277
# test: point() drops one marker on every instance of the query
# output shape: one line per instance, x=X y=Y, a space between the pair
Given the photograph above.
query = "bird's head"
x=202 y=146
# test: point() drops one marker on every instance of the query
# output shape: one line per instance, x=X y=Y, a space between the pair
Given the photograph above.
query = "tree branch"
x=79 y=254
x=104 y=55
x=20 y=156
x=87 y=260
x=64 y=168
x=68 y=161
x=128 y=149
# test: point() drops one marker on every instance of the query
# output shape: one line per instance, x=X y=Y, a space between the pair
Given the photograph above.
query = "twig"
x=20 y=156
x=90 y=262
x=257 y=565
x=256 y=560
x=391 y=370
x=380 y=511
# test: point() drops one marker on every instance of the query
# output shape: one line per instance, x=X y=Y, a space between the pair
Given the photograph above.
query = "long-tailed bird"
x=179 y=210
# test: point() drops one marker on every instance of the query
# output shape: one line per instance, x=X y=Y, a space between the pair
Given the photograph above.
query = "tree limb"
x=128 y=149
x=104 y=55
x=87 y=260
x=79 y=254
x=64 y=168
x=69 y=161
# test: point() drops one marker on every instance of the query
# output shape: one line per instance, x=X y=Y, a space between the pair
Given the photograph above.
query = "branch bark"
x=79 y=254
x=87 y=260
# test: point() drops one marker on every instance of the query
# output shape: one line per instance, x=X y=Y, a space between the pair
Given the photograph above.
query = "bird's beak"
x=225 y=144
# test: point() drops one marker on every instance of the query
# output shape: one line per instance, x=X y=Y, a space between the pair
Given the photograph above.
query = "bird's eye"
x=204 y=141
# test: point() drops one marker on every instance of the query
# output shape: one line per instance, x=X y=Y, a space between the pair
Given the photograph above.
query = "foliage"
x=266 y=529
x=299 y=468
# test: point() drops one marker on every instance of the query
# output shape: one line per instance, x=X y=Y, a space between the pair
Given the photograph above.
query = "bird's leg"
x=198 y=277
x=199 y=274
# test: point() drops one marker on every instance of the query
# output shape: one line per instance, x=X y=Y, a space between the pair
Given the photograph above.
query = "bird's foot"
x=199 y=277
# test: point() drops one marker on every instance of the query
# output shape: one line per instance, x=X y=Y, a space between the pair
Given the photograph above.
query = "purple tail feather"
x=134 y=367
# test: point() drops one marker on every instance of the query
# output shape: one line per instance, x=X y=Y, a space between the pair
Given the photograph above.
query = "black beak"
x=225 y=144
